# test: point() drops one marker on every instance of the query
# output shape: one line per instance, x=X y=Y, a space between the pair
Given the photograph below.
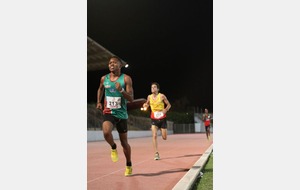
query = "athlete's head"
x=154 y=87
x=116 y=58
x=114 y=63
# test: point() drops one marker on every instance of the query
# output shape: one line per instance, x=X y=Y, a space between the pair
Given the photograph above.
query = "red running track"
x=178 y=154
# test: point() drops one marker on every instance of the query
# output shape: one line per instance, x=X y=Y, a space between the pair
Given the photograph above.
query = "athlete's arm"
x=146 y=104
x=100 y=93
x=166 y=101
x=128 y=91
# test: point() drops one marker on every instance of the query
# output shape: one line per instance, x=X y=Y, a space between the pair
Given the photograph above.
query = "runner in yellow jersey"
x=159 y=105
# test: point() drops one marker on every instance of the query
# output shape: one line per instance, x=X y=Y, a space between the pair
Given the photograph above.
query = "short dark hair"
x=118 y=58
x=155 y=83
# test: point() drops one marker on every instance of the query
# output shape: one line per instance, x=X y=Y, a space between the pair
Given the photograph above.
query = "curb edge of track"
x=188 y=180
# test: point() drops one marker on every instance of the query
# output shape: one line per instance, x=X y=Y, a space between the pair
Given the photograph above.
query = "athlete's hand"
x=145 y=105
x=164 y=111
x=99 y=106
x=118 y=86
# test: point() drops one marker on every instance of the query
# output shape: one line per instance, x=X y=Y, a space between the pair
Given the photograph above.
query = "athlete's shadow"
x=162 y=172
x=169 y=171
x=189 y=155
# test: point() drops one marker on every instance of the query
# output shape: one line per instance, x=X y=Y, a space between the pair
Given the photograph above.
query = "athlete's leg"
x=107 y=127
x=163 y=129
x=122 y=130
x=154 y=138
x=206 y=132
x=164 y=133
x=126 y=146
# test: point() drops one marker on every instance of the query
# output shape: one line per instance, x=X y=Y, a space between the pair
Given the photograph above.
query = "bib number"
x=113 y=102
x=158 y=114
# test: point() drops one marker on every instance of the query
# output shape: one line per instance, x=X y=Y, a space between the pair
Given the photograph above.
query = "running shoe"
x=156 y=157
x=128 y=171
x=114 y=155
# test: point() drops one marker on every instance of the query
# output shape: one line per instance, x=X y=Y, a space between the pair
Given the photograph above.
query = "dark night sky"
x=170 y=42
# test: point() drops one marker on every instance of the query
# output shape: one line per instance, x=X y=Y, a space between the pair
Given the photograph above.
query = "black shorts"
x=121 y=124
x=160 y=123
x=207 y=128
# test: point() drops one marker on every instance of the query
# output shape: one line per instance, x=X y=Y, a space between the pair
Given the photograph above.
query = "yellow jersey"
x=157 y=105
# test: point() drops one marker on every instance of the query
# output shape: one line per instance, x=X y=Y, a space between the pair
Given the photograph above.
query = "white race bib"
x=158 y=114
x=113 y=102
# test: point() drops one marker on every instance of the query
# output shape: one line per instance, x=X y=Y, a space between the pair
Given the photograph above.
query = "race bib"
x=208 y=118
x=113 y=102
x=158 y=114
